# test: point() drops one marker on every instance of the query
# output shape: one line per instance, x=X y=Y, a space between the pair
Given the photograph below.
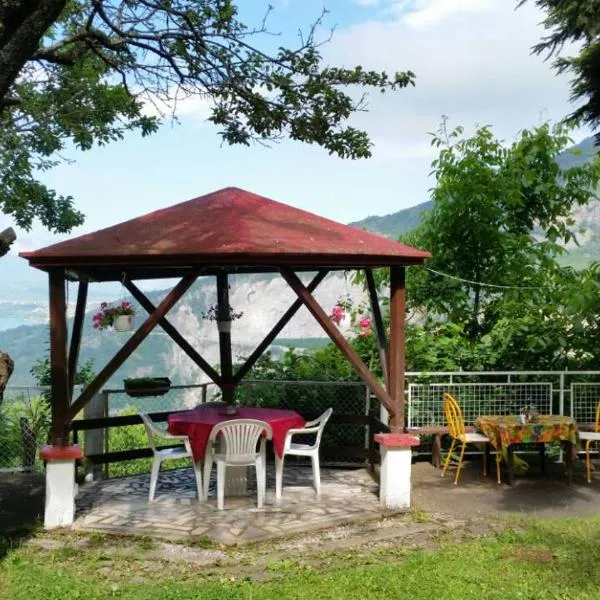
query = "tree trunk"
x=6 y=368
x=22 y=25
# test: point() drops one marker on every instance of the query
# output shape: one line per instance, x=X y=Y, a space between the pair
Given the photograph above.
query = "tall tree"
x=81 y=72
x=575 y=22
x=500 y=216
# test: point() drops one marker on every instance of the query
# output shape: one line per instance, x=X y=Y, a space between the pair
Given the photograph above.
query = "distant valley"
x=261 y=298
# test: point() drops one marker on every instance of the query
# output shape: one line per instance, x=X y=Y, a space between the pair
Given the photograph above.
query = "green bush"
x=13 y=448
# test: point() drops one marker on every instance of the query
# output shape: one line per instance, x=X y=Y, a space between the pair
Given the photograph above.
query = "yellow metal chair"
x=456 y=426
x=589 y=437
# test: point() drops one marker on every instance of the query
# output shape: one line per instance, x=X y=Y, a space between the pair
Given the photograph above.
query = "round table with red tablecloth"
x=198 y=423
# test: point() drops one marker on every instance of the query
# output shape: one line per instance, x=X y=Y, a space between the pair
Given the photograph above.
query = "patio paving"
x=121 y=506
x=533 y=494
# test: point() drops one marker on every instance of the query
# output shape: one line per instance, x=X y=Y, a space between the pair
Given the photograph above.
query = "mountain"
x=261 y=298
x=587 y=218
x=394 y=224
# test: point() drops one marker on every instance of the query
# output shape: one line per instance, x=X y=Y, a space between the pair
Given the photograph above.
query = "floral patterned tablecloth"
x=504 y=431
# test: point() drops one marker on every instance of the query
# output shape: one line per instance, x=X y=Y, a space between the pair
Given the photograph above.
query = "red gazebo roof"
x=229 y=228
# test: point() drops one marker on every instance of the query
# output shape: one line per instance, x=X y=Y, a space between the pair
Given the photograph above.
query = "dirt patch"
x=533 y=554
x=389 y=538
x=21 y=501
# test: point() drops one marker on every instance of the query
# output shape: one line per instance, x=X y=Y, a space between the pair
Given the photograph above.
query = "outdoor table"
x=198 y=423
x=507 y=431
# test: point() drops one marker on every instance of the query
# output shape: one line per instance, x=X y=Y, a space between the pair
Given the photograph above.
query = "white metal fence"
x=585 y=398
x=574 y=393
x=425 y=400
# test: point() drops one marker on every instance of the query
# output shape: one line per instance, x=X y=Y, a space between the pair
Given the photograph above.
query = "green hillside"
x=588 y=218
x=394 y=224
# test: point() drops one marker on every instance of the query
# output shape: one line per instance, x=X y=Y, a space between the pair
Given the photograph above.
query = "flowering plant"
x=364 y=325
x=107 y=314
x=342 y=306
x=213 y=314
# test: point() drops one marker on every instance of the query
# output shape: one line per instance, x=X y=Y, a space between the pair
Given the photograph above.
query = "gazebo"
x=226 y=232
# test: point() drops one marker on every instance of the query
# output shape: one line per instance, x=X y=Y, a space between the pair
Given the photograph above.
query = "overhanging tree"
x=575 y=22
x=81 y=72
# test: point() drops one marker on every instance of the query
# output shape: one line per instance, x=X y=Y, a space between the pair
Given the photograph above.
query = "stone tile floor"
x=121 y=506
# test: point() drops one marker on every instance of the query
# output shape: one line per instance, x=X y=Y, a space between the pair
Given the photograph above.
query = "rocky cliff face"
x=263 y=300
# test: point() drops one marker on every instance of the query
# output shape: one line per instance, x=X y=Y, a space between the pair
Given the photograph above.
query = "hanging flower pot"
x=365 y=326
x=123 y=323
x=119 y=317
x=341 y=310
x=138 y=387
x=223 y=318
x=338 y=314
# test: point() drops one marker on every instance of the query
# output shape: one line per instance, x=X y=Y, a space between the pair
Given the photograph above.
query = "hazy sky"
x=472 y=61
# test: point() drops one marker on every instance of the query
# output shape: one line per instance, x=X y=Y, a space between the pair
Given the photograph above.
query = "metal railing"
x=110 y=429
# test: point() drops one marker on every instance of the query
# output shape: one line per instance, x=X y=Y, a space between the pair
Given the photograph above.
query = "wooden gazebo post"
x=397 y=367
x=59 y=375
x=60 y=456
x=225 y=355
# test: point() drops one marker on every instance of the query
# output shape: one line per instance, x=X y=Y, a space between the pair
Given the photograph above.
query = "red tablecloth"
x=198 y=423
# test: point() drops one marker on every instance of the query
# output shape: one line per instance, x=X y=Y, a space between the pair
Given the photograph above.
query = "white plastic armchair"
x=290 y=448
x=154 y=434
x=238 y=441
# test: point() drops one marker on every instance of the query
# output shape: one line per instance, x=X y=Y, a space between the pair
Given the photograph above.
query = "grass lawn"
x=549 y=559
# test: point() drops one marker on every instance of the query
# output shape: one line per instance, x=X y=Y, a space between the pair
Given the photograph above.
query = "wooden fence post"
x=94 y=439
x=29 y=445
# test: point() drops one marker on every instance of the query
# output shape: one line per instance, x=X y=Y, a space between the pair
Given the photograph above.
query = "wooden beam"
x=338 y=339
x=397 y=366
x=285 y=319
x=82 y=291
x=170 y=329
x=382 y=343
x=59 y=380
x=225 y=355
x=132 y=343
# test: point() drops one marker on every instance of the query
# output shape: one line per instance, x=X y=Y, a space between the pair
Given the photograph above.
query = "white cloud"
x=195 y=109
x=420 y=14
x=366 y=2
x=473 y=62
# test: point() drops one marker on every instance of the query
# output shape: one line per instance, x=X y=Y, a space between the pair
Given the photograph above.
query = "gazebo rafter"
x=339 y=340
x=382 y=342
x=131 y=344
x=149 y=307
x=276 y=330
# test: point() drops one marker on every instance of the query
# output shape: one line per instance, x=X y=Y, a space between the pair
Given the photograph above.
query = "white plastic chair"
x=155 y=433
x=312 y=450
x=238 y=441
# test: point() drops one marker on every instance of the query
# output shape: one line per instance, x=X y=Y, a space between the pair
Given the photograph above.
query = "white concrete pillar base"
x=61 y=488
x=395 y=474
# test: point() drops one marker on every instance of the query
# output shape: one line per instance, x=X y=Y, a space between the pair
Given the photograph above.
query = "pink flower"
x=107 y=314
x=365 y=326
x=337 y=314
